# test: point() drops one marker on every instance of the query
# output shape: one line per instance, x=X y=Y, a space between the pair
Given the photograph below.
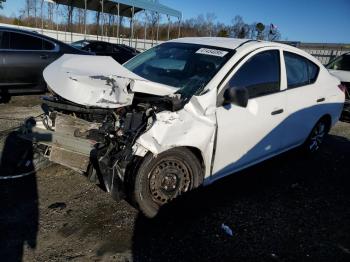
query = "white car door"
x=303 y=98
x=247 y=135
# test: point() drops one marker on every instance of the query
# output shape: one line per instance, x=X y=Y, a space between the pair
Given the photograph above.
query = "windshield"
x=188 y=67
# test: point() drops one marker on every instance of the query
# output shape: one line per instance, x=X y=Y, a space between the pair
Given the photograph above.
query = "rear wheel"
x=317 y=135
x=165 y=177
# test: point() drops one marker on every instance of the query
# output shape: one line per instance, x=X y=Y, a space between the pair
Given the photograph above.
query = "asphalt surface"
x=290 y=208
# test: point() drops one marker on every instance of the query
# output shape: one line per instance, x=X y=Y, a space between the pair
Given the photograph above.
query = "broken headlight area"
x=99 y=141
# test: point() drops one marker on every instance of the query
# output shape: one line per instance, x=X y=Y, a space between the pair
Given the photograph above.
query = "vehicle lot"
x=290 y=208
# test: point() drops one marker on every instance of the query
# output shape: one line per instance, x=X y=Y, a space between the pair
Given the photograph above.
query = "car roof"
x=227 y=42
x=240 y=45
x=37 y=34
x=224 y=42
x=92 y=41
x=31 y=32
x=10 y=28
x=104 y=42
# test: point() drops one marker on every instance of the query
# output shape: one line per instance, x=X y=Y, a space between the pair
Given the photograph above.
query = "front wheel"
x=317 y=135
x=162 y=178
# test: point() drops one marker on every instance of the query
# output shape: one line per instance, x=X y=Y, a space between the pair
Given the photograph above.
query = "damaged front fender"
x=193 y=126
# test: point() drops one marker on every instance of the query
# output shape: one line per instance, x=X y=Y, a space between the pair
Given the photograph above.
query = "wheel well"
x=328 y=120
x=137 y=161
x=198 y=155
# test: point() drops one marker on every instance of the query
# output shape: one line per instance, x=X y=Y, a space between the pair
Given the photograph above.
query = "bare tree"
x=240 y=29
x=152 y=19
x=97 y=20
x=28 y=6
x=50 y=12
x=2 y=1
x=252 y=30
x=80 y=19
x=210 y=18
x=35 y=10
x=69 y=15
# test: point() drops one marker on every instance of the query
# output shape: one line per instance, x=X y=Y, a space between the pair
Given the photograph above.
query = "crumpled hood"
x=98 y=81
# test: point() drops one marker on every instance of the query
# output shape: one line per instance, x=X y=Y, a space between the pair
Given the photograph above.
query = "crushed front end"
x=102 y=119
x=99 y=142
x=95 y=114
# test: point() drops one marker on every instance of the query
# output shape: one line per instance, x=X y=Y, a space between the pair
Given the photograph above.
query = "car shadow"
x=290 y=208
x=19 y=212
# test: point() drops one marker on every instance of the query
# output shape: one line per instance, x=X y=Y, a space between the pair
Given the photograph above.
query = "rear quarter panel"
x=328 y=86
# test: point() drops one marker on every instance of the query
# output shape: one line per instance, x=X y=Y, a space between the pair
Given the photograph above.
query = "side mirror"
x=236 y=95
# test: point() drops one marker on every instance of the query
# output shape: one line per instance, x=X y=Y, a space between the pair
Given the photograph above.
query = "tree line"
x=70 y=19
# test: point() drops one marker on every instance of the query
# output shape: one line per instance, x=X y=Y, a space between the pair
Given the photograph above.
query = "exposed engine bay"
x=110 y=132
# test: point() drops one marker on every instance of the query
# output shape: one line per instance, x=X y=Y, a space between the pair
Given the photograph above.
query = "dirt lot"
x=291 y=208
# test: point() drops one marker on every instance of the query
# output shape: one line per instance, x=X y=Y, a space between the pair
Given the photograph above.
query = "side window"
x=4 y=40
x=116 y=49
x=48 y=45
x=109 y=48
x=313 y=72
x=300 y=71
x=99 y=47
x=260 y=74
x=25 y=42
x=89 y=48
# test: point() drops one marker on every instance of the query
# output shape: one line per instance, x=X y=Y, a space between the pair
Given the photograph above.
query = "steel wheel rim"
x=317 y=137
x=169 y=179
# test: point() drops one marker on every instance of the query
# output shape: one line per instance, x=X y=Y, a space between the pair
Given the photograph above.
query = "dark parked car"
x=23 y=57
x=120 y=53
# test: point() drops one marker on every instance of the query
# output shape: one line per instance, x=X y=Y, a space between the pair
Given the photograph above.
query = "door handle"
x=276 y=112
x=320 y=100
x=44 y=56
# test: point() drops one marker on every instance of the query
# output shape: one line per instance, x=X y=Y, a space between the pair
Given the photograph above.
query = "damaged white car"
x=183 y=114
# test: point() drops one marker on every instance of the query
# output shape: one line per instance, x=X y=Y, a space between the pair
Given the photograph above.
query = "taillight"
x=342 y=88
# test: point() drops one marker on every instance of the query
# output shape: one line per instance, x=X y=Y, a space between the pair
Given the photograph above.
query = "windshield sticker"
x=214 y=52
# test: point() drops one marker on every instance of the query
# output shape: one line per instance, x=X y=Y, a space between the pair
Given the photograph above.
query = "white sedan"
x=186 y=113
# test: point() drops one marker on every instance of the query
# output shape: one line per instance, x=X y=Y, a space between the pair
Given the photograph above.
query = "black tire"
x=160 y=179
x=317 y=135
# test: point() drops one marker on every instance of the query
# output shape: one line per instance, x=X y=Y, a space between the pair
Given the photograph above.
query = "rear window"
x=300 y=71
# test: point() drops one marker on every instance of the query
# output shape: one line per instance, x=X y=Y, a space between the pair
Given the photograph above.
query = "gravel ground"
x=290 y=208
